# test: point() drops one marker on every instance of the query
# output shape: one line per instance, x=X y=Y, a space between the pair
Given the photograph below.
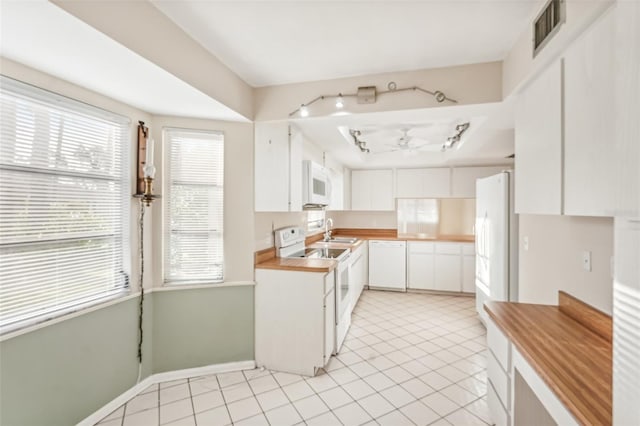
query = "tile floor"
x=409 y=359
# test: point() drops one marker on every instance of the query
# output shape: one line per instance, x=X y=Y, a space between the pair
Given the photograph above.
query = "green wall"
x=61 y=373
x=194 y=328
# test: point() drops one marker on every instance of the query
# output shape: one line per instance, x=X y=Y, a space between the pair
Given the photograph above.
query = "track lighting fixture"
x=362 y=145
x=451 y=141
x=367 y=95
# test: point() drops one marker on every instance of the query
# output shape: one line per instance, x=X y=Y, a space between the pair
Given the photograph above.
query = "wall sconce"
x=368 y=95
x=146 y=169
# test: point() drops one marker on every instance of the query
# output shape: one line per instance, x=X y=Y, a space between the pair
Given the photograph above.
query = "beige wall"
x=520 y=66
x=238 y=194
x=554 y=259
x=267 y=222
x=468 y=84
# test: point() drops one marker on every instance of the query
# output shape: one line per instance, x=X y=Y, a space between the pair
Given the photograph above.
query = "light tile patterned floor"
x=409 y=359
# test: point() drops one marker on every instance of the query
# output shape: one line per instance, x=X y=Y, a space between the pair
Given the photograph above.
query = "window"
x=64 y=198
x=194 y=197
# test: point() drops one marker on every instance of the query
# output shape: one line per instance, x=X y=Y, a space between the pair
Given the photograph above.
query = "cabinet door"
x=381 y=182
x=463 y=179
x=589 y=160
x=372 y=190
x=421 y=273
x=538 y=144
x=295 y=171
x=329 y=325
x=409 y=183
x=447 y=272
x=627 y=111
x=271 y=166
x=469 y=274
x=360 y=190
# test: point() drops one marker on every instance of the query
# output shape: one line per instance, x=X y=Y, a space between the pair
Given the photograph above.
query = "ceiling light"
x=340 y=101
x=304 y=111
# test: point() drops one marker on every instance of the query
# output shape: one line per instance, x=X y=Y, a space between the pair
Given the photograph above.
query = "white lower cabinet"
x=447 y=272
x=499 y=375
x=441 y=266
x=294 y=320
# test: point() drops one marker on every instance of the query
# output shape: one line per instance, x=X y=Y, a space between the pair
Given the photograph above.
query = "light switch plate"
x=525 y=241
x=586 y=261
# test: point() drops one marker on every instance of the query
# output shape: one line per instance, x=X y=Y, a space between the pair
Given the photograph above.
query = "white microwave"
x=316 y=185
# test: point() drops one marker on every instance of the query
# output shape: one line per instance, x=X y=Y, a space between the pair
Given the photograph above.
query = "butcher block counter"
x=266 y=259
x=569 y=347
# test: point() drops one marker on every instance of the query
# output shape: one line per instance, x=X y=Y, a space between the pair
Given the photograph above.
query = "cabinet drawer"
x=469 y=249
x=499 y=379
x=499 y=415
x=499 y=345
x=448 y=248
x=420 y=247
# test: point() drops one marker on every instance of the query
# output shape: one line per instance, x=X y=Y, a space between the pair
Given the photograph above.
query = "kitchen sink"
x=342 y=240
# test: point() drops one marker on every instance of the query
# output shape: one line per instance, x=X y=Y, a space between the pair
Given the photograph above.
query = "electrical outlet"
x=586 y=261
x=526 y=243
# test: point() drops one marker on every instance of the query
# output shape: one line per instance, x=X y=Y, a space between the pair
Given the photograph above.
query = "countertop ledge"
x=266 y=259
x=571 y=356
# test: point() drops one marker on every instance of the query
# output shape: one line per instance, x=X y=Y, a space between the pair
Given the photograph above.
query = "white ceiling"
x=278 y=42
x=39 y=34
x=489 y=139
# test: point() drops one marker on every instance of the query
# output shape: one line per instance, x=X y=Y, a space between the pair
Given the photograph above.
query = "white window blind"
x=63 y=201
x=194 y=207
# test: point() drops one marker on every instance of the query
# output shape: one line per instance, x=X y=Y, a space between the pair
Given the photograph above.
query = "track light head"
x=304 y=111
x=340 y=101
x=440 y=97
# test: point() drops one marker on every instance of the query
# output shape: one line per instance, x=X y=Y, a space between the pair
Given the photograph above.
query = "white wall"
x=519 y=65
x=366 y=220
x=142 y=28
x=554 y=259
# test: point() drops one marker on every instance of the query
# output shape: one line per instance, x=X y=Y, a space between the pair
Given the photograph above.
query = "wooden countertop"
x=392 y=234
x=266 y=259
x=298 y=264
x=572 y=357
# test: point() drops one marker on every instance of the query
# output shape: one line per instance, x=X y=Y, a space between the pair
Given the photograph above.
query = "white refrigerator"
x=496 y=229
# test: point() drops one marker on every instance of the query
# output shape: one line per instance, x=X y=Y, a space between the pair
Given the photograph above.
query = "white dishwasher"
x=388 y=265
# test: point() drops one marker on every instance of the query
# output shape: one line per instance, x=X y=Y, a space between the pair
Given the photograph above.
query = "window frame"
x=58 y=107
x=166 y=185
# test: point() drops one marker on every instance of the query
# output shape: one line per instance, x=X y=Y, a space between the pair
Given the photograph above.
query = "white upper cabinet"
x=538 y=144
x=372 y=190
x=423 y=183
x=278 y=168
x=589 y=160
x=463 y=179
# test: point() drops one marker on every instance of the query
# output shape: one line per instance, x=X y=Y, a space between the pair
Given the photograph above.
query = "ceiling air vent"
x=547 y=24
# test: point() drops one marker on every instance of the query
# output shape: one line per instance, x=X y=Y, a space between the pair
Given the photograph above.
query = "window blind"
x=63 y=201
x=194 y=206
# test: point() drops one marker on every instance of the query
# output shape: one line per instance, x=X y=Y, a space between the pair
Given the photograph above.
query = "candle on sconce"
x=149 y=169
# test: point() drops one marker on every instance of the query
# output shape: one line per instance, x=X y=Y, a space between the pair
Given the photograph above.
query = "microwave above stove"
x=316 y=185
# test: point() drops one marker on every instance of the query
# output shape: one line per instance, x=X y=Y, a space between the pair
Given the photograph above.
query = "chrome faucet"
x=328 y=226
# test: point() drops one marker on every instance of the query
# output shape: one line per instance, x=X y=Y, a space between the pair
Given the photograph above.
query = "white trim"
x=547 y=397
x=111 y=302
x=115 y=403
x=172 y=287
x=75 y=314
